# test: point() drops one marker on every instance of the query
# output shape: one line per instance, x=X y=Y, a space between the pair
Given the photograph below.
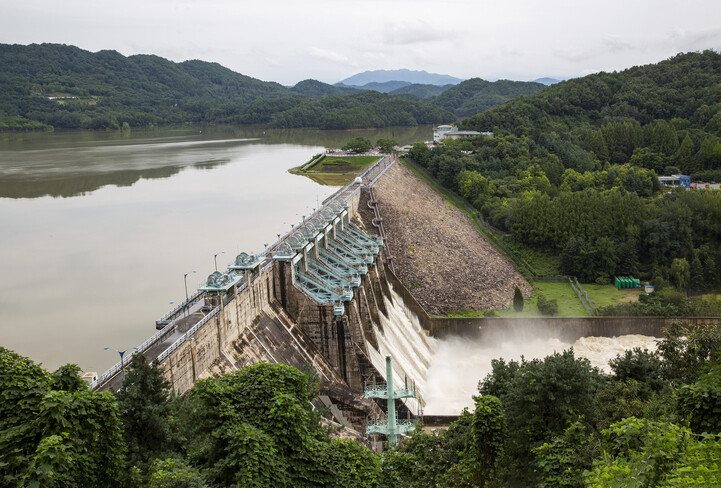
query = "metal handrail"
x=187 y=335
x=180 y=307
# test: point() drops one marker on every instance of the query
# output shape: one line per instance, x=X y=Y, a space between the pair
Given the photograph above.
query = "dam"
x=324 y=297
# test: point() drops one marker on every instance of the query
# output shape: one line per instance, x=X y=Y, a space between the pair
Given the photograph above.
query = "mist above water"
x=460 y=363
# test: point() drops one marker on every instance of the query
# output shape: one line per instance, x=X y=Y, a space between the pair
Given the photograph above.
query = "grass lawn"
x=336 y=170
x=568 y=303
x=603 y=295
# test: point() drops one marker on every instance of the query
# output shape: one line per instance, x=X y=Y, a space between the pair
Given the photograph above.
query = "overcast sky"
x=329 y=40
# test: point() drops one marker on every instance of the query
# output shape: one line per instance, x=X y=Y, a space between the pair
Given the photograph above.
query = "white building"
x=443 y=131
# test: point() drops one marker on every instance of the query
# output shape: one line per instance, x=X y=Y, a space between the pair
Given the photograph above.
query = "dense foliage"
x=558 y=422
x=553 y=422
x=54 y=432
x=574 y=169
x=476 y=95
x=52 y=85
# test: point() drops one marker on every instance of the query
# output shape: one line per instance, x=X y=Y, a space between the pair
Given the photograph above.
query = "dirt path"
x=437 y=252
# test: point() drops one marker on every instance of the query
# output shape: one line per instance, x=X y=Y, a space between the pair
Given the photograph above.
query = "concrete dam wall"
x=321 y=299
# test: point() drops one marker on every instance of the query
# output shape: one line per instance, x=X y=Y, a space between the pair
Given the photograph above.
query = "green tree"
x=144 y=405
x=700 y=402
x=540 y=398
x=474 y=186
x=55 y=437
x=488 y=433
x=685 y=155
x=562 y=462
x=175 y=473
x=640 y=453
x=517 y=299
x=386 y=146
x=640 y=365
x=546 y=306
x=357 y=145
x=680 y=273
x=687 y=348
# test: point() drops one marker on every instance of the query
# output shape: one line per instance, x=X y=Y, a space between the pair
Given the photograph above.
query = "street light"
x=185 y=280
x=122 y=353
x=215 y=258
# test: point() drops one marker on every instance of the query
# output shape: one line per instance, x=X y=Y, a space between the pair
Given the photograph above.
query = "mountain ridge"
x=411 y=76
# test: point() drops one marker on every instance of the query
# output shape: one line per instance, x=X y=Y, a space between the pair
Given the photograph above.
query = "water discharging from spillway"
x=408 y=344
x=460 y=363
x=446 y=372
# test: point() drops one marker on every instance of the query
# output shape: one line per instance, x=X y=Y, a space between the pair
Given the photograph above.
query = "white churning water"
x=459 y=364
x=447 y=371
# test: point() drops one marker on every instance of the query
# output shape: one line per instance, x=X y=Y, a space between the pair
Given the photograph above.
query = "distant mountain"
x=382 y=76
x=385 y=87
x=318 y=89
x=421 y=91
x=54 y=85
x=476 y=95
x=547 y=81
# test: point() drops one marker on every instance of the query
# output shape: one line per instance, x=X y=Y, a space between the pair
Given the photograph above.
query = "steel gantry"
x=392 y=427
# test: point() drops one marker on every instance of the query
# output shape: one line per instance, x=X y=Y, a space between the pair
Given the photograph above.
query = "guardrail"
x=578 y=294
x=181 y=340
x=142 y=348
x=346 y=192
x=180 y=307
x=588 y=299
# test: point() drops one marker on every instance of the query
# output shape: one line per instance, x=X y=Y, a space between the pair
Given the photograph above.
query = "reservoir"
x=98 y=229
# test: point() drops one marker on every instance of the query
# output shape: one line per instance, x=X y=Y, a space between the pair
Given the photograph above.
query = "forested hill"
x=573 y=171
x=684 y=90
x=53 y=85
x=476 y=95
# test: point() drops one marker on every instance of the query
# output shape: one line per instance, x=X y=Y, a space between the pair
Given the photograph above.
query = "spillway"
x=402 y=337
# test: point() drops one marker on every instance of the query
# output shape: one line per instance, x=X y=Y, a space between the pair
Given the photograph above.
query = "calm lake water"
x=97 y=229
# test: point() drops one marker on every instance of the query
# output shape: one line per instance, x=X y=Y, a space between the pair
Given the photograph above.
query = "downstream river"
x=98 y=229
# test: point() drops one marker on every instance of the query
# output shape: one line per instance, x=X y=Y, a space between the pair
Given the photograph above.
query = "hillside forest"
x=45 y=86
x=573 y=171
x=555 y=422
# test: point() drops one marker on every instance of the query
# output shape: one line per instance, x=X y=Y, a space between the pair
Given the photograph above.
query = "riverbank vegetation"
x=573 y=171
x=558 y=421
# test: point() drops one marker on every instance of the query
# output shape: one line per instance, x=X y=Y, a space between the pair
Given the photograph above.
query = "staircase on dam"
x=318 y=299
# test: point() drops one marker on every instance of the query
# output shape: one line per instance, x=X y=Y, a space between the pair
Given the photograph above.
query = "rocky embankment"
x=438 y=254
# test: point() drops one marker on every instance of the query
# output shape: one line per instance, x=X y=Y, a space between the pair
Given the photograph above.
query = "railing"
x=381 y=391
x=142 y=348
x=588 y=299
x=578 y=294
x=181 y=340
x=179 y=307
x=380 y=427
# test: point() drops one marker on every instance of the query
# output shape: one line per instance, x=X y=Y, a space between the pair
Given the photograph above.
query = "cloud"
x=419 y=32
x=326 y=55
x=683 y=40
x=614 y=44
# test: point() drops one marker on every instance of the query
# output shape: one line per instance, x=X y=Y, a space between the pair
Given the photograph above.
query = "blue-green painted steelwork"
x=391 y=427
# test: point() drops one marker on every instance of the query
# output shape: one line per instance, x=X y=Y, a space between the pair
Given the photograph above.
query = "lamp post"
x=122 y=363
x=185 y=280
x=215 y=258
